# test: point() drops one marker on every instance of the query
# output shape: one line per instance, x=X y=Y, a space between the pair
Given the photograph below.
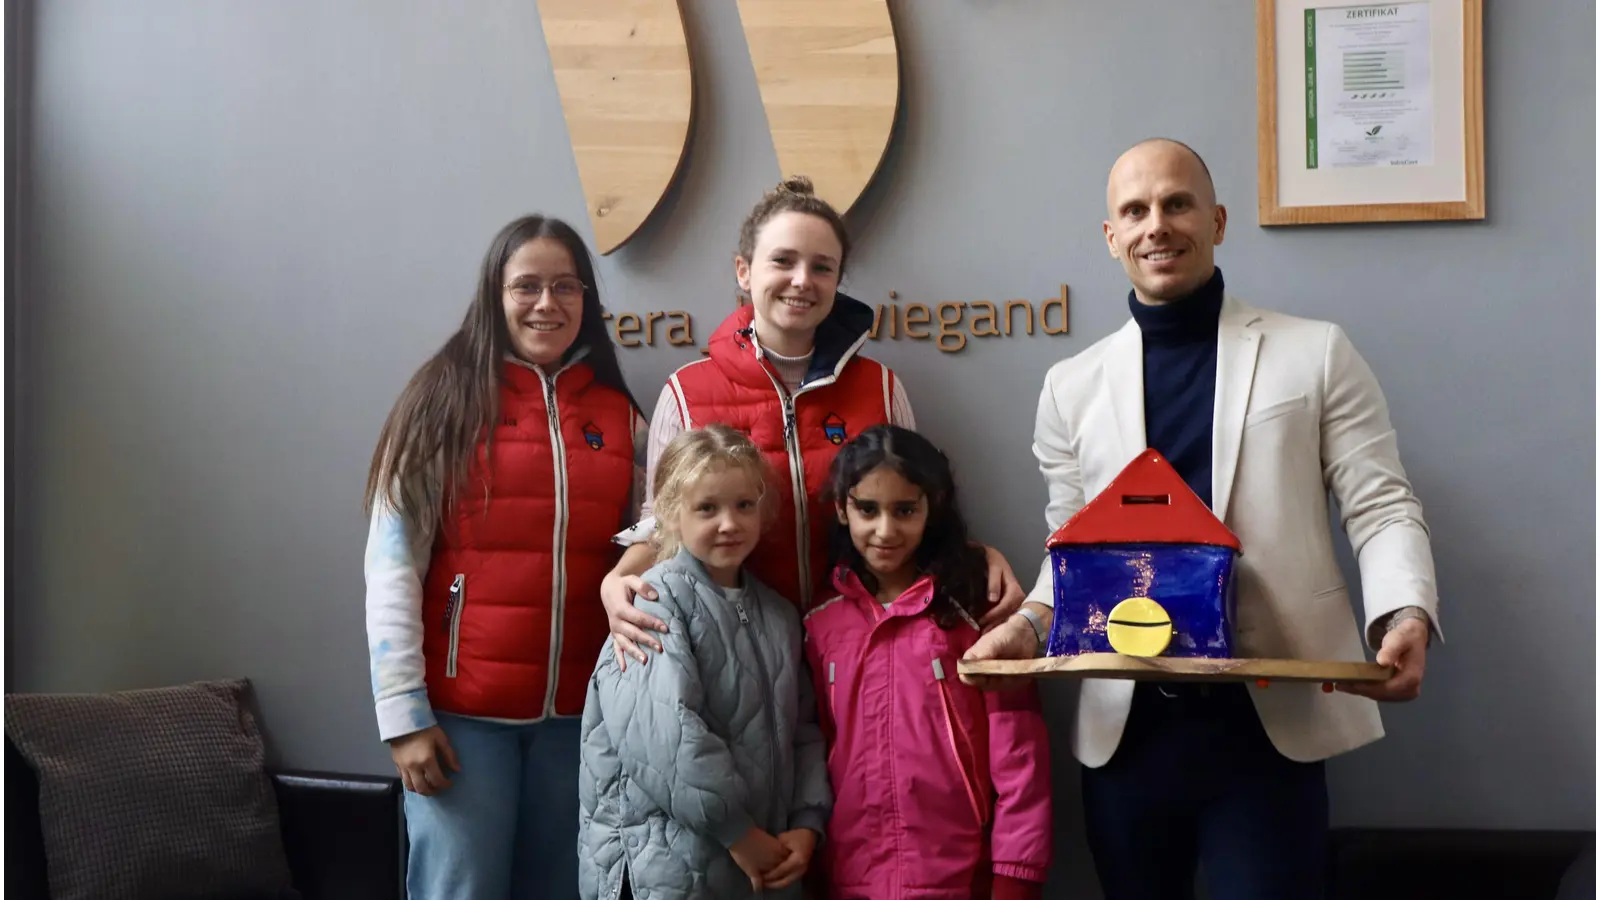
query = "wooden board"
x=1161 y=668
x=622 y=69
x=829 y=73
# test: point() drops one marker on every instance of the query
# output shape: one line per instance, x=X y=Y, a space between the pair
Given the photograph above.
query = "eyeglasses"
x=564 y=290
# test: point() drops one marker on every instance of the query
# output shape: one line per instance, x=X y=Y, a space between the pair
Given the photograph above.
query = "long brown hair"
x=428 y=443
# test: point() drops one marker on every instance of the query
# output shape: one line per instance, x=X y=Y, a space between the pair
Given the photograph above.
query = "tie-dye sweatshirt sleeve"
x=395 y=565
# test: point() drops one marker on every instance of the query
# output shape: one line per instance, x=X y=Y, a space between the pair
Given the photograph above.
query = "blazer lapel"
x=1123 y=384
x=1238 y=343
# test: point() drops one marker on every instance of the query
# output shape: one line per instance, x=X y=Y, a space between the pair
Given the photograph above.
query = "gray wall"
x=251 y=221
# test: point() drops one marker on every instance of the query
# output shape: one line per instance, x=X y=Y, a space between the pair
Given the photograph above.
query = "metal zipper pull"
x=830 y=673
x=743 y=619
x=452 y=621
x=938 y=669
x=453 y=601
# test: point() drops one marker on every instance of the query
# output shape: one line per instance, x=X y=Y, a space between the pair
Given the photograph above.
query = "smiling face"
x=543 y=299
x=791 y=276
x=1164 y=220
x=719 y=521
x=886 y=515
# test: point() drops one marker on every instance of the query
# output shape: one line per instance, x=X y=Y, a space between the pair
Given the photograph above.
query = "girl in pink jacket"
x=942 y=791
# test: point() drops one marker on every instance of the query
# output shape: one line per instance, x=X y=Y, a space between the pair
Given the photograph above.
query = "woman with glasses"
x=785 y=368
x=503 y=470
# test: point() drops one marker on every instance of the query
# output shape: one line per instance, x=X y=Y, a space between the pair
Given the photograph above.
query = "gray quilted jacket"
x=683 y=755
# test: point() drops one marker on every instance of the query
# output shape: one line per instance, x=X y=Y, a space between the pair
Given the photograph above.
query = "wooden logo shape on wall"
x=828 y=74
x=830 y=83
x=622 y=69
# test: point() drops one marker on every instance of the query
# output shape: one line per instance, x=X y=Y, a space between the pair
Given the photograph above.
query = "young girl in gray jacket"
x=704 y=772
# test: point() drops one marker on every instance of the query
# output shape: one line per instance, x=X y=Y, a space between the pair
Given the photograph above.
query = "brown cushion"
x=154 y=794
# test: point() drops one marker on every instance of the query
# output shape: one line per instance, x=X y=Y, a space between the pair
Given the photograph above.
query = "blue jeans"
x=1196 y=780
x=507 y=827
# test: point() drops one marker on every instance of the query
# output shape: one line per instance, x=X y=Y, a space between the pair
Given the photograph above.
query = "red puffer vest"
x=513 y=587
x=843 y=394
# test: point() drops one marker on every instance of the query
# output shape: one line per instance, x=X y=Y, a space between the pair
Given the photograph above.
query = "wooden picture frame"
x=1304 y=177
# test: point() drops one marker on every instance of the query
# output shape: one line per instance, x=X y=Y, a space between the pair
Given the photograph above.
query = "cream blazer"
x=1298 y=415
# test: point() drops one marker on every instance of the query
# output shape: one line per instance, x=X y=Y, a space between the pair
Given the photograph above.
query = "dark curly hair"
x=958 y=567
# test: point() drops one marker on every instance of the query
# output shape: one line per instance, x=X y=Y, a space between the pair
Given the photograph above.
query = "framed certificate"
x=1369 y=112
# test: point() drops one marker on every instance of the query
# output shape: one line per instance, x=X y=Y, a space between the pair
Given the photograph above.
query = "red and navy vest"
x=511 y=614
x=843 y=395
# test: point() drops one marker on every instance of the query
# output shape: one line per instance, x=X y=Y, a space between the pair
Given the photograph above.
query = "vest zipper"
x=797 y=481
x=452 y=615
x=797 y=470
x=802 y=513
x=558 y=573
x=767 y=696
x=950 y=733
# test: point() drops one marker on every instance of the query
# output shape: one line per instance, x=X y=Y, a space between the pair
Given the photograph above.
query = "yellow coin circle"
x=1138 y=626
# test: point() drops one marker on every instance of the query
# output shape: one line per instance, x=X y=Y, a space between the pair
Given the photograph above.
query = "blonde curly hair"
x=691 y=456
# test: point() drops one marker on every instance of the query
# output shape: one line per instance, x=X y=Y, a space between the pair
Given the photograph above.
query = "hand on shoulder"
x=630 y=626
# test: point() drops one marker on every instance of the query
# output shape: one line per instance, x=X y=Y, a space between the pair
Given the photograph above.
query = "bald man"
x=1264 y=415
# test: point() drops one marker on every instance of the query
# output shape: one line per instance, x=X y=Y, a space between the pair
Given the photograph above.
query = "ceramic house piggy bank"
x=1144 y=569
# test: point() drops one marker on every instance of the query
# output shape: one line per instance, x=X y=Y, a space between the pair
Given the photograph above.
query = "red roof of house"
x=1147 y=503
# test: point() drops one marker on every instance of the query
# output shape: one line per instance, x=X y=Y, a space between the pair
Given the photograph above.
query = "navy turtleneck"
x=1180 y=379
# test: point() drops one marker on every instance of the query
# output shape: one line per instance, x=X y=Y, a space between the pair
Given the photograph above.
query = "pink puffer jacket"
x=941 y=790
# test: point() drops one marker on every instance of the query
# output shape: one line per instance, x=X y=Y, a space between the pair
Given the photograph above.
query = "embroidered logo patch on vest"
x=593 y=436
x=833 y=427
